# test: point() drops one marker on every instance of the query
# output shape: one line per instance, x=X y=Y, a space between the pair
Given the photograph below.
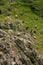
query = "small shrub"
x=0 y=11
x=0 y=26
x=32 y=57
x=42 y=15
x=23 y=21
x=34 y=31
x=11 y=25
x=6 y=25
x=23 y=61
x=27 y=28
x=41 y=31
x=8 y=13
x=31 y=32
x=5 y=63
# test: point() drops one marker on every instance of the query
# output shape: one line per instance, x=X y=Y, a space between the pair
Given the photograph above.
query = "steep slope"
x=22 y=17
x=17 y=50
x=11 y=8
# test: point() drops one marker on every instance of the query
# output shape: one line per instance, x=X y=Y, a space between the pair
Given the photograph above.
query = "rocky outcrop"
x=17 y=50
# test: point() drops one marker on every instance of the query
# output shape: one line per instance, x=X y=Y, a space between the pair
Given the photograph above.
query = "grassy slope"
x=30 y=18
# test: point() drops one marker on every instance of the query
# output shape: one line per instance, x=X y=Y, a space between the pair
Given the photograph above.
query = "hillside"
x=21 y=20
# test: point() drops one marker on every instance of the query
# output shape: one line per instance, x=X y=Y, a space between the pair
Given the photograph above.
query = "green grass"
x=30 y=18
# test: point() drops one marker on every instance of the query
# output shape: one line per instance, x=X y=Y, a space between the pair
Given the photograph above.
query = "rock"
x=34 y=37
x=18 y=33
x=38 y=57
x=15 y=36
x=1 y=35
x=6 y=26
x=10 y=31
x=13 y=63
x=16 y=16
x=28 y=36
x=17 y=50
